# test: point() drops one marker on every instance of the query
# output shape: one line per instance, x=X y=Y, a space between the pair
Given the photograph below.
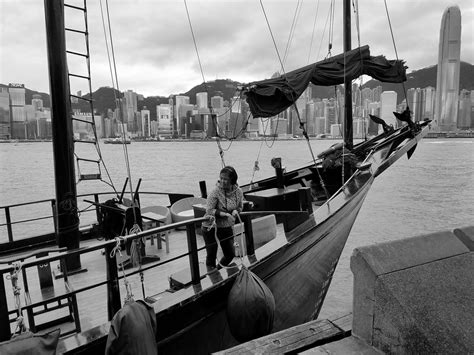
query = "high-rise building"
x=17 y=111
x=164 y=120
x=465 y=110
x=146 y=124
x=428 y=102
x=130 y=109
x=4 y=114
x=179 y=101
x=388 y=105
x=217 y=102
x=201 y=100
x=447 y=80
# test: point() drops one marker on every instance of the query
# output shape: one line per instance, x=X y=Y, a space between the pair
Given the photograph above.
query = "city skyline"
x=157 y=57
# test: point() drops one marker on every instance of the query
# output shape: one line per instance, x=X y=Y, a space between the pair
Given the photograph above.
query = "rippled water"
x=432 y=191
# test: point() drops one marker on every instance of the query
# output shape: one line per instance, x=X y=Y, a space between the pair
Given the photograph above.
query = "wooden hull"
x=298 y=274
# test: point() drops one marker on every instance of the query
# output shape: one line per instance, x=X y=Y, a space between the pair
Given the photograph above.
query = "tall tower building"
x=179 y=101
x=201 y=99
x=4 y=114
x=447 y=80
x=388 y=101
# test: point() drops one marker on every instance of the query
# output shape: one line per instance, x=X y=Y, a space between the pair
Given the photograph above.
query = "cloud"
x=155 y=53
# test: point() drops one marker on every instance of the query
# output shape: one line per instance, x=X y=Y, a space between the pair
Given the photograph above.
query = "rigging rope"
x=312 y=33
x=118 y=103
x=292 y=30
x=394 y=46
x=221 y=151
x=294 y=103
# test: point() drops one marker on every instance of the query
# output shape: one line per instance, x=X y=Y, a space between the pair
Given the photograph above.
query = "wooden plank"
x=289 y=340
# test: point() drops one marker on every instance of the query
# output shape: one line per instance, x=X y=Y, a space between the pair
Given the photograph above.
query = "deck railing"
x=113 y=278
x=14 y=216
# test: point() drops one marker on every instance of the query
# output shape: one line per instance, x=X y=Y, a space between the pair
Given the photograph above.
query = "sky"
x=155 y=53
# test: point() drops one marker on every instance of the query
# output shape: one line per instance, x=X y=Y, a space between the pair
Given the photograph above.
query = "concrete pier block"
x=415 y=295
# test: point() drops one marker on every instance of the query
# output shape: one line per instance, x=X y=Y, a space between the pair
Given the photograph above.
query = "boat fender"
x=250 y=307
x=330 y=150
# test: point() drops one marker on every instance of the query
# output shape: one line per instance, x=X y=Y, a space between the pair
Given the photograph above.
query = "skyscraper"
x=447 y=81
x=201 y=100
x=388 y=100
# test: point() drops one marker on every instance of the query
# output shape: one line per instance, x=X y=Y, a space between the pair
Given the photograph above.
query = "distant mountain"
x=104 y=98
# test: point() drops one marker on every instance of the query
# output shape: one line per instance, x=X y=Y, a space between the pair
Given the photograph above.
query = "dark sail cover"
x=250 y=307
x=269 y=97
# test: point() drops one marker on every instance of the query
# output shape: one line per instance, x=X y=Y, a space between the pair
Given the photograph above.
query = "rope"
x=292 y=29
x=118 y=103
x=221 y=151
x=20 y=322
x=312 y=33
x=128 y=288
x=394 y=46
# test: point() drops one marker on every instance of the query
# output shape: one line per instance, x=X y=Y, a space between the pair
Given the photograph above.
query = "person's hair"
x=230 y=171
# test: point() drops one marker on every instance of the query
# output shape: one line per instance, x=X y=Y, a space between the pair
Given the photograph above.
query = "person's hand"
x=235 y=213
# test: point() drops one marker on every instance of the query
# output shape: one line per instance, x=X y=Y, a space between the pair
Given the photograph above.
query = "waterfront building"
x=146 y=124
x=428 y=102
x=201 y=100
x=17 y=111
x=217 y=102
x=5 y=132
x=336 y=130
x=465 y=110
x=179 y=101
x=414 y=102
x=447 y=80
x=164 y=120
x=388 y=105
x=130 y=109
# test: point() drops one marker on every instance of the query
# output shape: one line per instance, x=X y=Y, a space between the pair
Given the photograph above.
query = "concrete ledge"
x=415 y=295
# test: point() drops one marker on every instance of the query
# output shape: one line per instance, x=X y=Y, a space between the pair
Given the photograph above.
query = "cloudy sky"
x=155 y=53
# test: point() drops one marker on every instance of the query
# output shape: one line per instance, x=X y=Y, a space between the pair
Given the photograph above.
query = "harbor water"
x=432 y=191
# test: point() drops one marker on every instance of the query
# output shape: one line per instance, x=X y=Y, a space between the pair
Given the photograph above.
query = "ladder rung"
x=77 y=53
x=81 y=98
x=74 y=7
x=89 y=160
x=82 y=141
x=80 y=76
x=90 y=177
x=78 y=119
x=77 y=31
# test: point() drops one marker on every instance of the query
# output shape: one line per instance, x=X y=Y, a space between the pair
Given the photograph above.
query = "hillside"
x=104 y=97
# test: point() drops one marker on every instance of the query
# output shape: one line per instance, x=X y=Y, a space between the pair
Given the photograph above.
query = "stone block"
x=370 y=263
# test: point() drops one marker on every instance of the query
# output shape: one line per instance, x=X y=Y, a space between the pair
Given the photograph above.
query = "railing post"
x=5 y=332
x=9 y=224
x=193 y=255
x=305 y=199
x=249 y=235
x=97 y=209
x=53 y=208
x=113 y=290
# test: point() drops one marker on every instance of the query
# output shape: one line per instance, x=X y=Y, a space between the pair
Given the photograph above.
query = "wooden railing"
x=112 y=280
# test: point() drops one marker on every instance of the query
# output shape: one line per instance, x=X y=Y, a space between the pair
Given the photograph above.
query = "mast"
x=66 y=219
x=347 y=81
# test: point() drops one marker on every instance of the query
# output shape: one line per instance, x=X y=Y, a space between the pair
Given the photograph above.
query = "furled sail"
x=269 y=97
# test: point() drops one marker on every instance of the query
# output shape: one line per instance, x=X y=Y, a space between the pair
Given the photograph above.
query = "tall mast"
x=347 y=82
x=67 y=220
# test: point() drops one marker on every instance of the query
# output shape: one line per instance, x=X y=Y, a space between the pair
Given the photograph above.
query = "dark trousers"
x=225 y=240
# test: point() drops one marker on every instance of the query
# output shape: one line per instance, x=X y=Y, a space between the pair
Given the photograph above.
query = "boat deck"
x=92 y=304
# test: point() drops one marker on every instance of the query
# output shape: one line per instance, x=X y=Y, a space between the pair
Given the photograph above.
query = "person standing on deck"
x=224 y=203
